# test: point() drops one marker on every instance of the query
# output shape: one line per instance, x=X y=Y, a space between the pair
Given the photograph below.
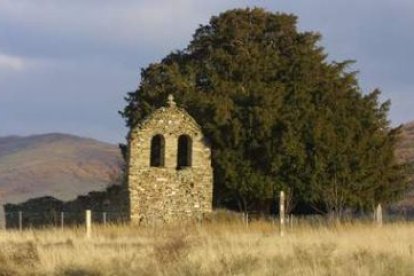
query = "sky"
x=66 y=66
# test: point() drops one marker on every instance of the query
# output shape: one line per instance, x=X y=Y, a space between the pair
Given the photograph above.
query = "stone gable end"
x=169 y=170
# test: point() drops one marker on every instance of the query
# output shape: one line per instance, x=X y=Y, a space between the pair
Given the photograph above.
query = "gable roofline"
x=170 y=108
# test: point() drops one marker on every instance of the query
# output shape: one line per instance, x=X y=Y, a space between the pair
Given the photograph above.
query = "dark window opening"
x=185 y=148
x=157 y=151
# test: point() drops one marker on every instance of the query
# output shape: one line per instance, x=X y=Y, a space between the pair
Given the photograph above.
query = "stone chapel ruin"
x=169 y=177
x=169 y=169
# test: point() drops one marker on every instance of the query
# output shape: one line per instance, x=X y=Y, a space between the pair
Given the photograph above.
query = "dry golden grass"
x=220 y=248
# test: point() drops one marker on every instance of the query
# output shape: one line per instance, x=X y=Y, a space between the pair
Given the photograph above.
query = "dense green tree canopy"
x=277 y=113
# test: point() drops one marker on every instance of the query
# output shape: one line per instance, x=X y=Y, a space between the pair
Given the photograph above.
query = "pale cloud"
x=105 y=30
x=128 y=23
x=11 y=63
x=77 y=59
x=106 y=22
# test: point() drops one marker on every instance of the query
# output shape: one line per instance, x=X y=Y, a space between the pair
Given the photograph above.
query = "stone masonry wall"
x=167 y=193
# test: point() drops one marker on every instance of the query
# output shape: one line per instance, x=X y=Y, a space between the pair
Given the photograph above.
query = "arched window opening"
x=185 y=150
x=157 y=151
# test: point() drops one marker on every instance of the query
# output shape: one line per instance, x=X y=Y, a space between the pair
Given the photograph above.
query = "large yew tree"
x=278 y=115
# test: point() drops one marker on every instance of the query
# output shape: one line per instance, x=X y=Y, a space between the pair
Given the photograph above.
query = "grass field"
x=220 y=248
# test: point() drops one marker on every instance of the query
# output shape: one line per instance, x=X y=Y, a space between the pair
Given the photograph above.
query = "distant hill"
x=405 y=149
x=65 y=166
x=405 y=153
x=60 y=165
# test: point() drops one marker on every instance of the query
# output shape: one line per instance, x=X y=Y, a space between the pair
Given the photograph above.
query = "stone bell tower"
x=169 y=169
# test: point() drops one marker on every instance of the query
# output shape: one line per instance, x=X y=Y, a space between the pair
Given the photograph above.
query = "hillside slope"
x=405 y=149
x=59 y=165
x=65 y=166
x=405 y=153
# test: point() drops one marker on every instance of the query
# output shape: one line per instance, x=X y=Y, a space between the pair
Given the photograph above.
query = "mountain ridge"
x=55 y=164
x=65 y=165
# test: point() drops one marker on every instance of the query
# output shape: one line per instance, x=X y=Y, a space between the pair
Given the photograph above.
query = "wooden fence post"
x=245 y=218
x=378 y=214
x=20 y=221
x=62 y=220
x=88 y=222
x=104 y=218
x=282 y=213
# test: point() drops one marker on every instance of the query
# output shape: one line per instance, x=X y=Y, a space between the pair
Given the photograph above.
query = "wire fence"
x=38 y=219
x=33 y=219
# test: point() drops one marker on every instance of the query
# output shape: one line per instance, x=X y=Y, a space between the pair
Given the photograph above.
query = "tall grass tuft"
x=218 y=247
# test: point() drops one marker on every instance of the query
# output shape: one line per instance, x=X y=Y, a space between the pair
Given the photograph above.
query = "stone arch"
x=168 y=190
x=157 y=154
x=185 y=151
